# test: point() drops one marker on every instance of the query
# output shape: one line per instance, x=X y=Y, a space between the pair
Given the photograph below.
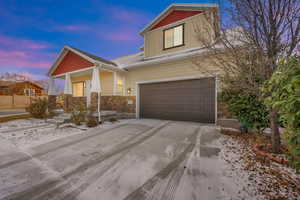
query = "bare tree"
x=264 y=32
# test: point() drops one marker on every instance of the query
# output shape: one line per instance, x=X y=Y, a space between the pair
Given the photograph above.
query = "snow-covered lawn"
x=27 y=133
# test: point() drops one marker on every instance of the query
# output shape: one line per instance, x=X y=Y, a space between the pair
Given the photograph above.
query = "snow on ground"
x=253 y=179
x=136 y=161
x=27 y=133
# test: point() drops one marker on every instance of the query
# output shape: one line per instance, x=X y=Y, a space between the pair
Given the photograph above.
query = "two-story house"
x=161 y=81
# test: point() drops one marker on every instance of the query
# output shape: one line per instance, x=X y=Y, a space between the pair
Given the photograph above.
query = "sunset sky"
x=32 y=32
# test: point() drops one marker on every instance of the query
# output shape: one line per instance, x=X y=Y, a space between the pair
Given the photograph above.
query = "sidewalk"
x=11 y=112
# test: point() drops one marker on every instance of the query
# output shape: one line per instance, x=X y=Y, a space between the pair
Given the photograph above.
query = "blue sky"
x=32 y=32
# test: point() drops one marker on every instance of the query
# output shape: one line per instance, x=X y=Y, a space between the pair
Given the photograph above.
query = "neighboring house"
x=25 y=88
x=159 y=82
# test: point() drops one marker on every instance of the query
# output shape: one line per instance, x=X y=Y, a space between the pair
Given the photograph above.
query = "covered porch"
x=91 y=81
x=80 y=85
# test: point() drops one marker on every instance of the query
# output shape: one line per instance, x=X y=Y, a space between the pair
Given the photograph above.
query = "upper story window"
x=174 y=37
x=78 y=89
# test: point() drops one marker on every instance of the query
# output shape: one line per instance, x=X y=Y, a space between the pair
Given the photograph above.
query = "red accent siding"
x=174 y=16
x=71 y=62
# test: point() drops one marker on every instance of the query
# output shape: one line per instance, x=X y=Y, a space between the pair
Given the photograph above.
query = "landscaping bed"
x=263 y=177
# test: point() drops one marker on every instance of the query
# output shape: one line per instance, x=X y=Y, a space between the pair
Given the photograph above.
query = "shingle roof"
x=97 y=58
x=138 y=59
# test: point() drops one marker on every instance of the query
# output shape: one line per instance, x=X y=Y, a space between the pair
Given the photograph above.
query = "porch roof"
x=85 y=61
x=97 y=58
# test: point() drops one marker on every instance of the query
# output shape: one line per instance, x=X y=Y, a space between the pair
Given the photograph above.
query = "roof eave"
x=174 y=5
x=53 y=67
x=68 y=48
x=165 y=60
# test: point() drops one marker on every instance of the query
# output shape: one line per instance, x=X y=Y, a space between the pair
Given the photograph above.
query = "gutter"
x=165 y=59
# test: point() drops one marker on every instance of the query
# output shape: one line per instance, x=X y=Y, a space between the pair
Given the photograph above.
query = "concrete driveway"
x=139 y=159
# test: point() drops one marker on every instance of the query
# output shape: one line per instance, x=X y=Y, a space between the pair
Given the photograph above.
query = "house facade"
x=172 y=77
x=24 y=88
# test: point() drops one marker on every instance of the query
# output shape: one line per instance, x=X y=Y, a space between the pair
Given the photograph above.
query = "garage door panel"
x=188 y=100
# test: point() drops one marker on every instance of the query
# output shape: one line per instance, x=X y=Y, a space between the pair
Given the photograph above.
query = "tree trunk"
x=276 y=143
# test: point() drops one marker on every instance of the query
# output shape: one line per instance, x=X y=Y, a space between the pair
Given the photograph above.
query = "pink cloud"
x=21 y=43
x=10 y=54
x=128 y=15
x=13 y=62
x=21 y=75
x=24 y=53
x=37 y=46
x=122 y=35
x=129 y=23
x=32 y=76
x=78 y=27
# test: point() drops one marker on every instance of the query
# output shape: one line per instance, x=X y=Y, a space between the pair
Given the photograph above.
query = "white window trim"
x=173 y=45
x=83 y=82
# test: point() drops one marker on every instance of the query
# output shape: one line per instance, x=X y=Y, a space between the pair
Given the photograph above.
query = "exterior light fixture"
x=129 y=91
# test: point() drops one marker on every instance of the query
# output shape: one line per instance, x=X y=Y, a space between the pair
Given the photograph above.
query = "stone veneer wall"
x=67 y=102
x=121 y=104
x=70 y=101
x=127 y=104
x=52 y=102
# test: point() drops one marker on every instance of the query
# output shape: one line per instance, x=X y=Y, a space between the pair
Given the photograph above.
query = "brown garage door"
x=186 y=100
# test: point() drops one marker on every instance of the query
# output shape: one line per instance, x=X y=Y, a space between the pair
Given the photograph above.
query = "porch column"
x=114 y=83
x=96 y=90
x=68 y=93
x=94 y=101
x=52 y=94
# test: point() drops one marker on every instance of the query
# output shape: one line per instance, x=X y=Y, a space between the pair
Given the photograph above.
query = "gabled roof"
x=177 y=6
x=87 y=56
x=95 y=57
